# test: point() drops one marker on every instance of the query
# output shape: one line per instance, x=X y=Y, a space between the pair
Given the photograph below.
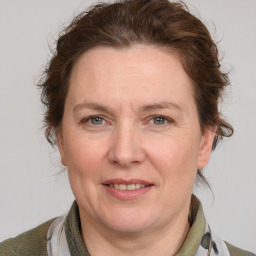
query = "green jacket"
x=33 y=242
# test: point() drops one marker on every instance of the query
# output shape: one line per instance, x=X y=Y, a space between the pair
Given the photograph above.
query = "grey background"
x=30 y=190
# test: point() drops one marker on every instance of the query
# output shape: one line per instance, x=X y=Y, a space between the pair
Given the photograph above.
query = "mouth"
x=127 y=189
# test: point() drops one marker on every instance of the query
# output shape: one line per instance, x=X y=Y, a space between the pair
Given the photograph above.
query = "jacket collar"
x=189 y=247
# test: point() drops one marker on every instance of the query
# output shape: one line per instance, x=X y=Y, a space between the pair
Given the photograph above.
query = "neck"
x=169 y=239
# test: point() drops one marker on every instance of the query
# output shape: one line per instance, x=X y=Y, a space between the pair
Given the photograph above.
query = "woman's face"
x=131 y=138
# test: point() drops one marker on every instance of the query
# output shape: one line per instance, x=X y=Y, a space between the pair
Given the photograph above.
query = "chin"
x=126 y=229
x=130 y=223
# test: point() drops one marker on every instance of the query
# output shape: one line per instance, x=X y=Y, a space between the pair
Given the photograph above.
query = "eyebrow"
x=145 y=108
x=161 y=105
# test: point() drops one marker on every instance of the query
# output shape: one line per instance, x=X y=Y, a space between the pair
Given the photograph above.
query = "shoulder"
x=234 y=251
x=32 y=242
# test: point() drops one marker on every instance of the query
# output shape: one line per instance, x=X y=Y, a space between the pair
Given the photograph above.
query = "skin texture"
x=127 y=142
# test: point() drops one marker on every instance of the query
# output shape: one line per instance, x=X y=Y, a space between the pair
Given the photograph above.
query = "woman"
x=131 y=100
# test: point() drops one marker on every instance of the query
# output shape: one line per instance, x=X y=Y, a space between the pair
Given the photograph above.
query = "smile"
x=127 y=187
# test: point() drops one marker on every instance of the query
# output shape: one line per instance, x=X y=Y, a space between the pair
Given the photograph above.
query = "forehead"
x=139 y=72
x=136 y=60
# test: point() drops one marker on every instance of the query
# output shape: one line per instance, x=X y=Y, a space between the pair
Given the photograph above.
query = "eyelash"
x=166 y=119
x=85 y=120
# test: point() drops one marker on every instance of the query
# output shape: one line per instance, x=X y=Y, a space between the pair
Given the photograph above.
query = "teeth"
x=138 y=186
x=127 y=187
x=130 y=187
x=122 y=186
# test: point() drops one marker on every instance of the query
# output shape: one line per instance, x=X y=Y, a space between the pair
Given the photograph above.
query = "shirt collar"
x=189 y=247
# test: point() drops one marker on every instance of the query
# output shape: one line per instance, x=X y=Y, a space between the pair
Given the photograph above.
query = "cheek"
x=176 y=158
x=83 y=156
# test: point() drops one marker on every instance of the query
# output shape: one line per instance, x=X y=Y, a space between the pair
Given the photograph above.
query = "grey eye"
x=96 y=120
x=159 y=120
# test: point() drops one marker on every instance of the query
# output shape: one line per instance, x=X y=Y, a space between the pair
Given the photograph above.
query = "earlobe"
x=205 y=148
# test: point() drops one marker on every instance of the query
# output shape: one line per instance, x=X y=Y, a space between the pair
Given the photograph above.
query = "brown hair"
x=126 y=23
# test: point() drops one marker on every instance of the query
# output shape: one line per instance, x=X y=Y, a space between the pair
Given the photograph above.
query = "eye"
x=160 y=120
x=94 y=120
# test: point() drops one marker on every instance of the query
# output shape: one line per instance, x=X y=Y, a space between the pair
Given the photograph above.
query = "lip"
x=127 y=182
x=127 y=194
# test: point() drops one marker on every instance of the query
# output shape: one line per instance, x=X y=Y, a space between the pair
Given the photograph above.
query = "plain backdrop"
x=30 y=190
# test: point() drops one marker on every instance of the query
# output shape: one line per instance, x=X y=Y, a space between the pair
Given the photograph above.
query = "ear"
x=205 y=147
x=61 y=146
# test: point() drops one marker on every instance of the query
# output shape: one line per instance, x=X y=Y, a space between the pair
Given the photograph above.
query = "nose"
x=126 y=148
